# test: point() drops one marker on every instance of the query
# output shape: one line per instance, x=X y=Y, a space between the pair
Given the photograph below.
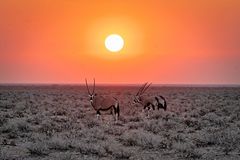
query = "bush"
x=3 y=120
x=91 y=149
x=15 y=125
x=134 y=125
x=228 y=139
x=180 y=137
x=144 y=139
x=94 y=134
x=193 y=123
x=114 y=130
x=4 y=155
x=59 y=143
x=117 y=150
x=19 y=110
x=64 y=156
x=50 y=127
x=215 y=119
x=23 y=126
x=135 y=119
x=60 y=111
x=91 y=123
x=186 y=150
x=38 y=149
x=153 y=126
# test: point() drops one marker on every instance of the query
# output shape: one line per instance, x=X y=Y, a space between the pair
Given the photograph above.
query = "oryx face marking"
x=136 y=99
x=91 y=97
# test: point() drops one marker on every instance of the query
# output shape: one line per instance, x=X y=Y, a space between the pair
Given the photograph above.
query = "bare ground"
x=57 y=122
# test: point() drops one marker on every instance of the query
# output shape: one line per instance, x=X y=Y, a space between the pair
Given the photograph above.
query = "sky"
x=166 y=42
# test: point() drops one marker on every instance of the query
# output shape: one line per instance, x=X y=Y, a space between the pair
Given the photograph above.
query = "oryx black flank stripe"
x=157 y=100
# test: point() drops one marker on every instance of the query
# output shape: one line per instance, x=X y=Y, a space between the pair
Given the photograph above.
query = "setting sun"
x=129 y=42
x=114 y=43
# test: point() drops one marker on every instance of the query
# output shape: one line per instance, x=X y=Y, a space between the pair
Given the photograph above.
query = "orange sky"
x=166 y=42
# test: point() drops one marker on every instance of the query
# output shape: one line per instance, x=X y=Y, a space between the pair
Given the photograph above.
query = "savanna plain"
x=57 y=122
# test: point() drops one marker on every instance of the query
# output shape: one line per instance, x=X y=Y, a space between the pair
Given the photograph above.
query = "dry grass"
x=57 y=122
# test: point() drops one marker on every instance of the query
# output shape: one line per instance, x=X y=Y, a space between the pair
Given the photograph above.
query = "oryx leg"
x=148 y=108
x=153 y=106
x=113 y=110
x=116 y=111
x=98 y=115
x=159 y=104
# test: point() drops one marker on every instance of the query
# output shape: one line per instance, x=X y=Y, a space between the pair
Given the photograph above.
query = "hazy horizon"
x=120 y=84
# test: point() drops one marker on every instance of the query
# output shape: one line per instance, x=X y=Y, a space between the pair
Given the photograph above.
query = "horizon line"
x=123 y=84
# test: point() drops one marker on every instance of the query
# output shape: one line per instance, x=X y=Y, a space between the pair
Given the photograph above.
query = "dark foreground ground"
x=57 y=122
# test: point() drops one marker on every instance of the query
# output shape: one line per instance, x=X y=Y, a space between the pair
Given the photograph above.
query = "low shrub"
x=59 y=143
x=144 y=139
x=15 y=125
x=38 y=149
x=91 y=149
x=186 y=150
x=118 y=151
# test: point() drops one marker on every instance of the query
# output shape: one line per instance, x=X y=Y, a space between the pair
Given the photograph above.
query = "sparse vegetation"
x=57 y=122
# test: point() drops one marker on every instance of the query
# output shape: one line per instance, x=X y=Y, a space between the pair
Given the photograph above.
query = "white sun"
x=114 y=42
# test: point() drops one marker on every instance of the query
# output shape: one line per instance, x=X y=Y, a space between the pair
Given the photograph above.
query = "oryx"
x=149 y=101
x=103 y=103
